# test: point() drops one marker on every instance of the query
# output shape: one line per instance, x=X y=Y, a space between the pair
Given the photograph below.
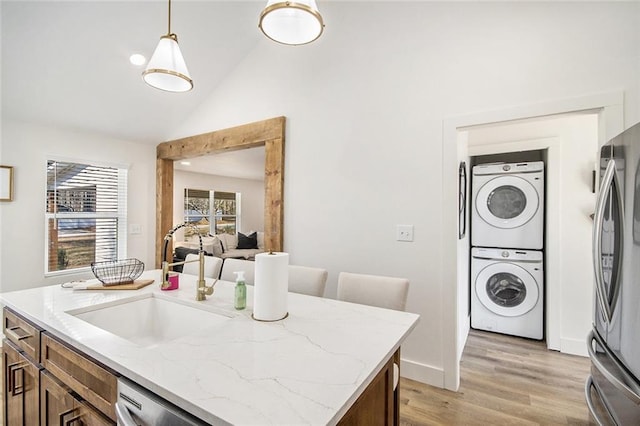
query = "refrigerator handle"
x=619 y=378
x=587 y=395
x=607 y=181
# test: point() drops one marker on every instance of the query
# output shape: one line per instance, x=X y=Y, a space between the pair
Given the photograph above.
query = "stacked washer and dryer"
x=507 y=237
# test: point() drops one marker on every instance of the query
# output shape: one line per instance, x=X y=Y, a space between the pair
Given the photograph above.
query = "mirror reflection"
x=223 y=196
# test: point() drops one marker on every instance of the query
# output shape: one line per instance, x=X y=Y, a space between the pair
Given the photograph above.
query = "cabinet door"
x=20 y=384
x=61 y=408
x=56 y=401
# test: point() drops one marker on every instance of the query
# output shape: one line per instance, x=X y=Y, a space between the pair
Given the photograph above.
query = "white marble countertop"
x=308 y=368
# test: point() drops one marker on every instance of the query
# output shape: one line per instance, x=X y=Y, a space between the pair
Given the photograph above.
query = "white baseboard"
x=422 y=373
x=574 y=346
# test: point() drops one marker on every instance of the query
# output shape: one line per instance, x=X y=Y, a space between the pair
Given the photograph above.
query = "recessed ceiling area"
x=243 y=164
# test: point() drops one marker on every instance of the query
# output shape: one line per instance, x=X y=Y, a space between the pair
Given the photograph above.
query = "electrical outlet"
x=404 y=232
x=135 y=228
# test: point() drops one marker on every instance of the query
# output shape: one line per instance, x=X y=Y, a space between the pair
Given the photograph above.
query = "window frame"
x=120 y=215
x=213 y=217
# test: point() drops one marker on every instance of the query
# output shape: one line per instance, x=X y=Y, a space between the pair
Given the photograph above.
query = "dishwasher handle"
x=123 y=416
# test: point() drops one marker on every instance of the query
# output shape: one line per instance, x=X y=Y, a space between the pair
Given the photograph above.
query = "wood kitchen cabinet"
x=60 y=406
x=84 y=376
x=20 y=387
x=35 y=367
x=377 y=405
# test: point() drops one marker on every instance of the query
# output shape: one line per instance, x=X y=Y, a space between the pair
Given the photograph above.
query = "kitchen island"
x=309 y=368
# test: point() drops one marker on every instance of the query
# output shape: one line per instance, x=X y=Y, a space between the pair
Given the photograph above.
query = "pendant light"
x=166 y=69
x=291 y=22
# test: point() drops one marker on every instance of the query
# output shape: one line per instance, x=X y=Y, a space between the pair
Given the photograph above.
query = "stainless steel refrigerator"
x=613 y=388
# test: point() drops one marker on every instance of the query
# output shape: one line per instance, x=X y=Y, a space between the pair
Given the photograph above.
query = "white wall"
x=26 y=147
x=365 y=106
x=252 y=198
x=573 y=149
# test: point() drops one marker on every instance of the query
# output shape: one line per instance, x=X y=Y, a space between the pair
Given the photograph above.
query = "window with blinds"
x=214 y=212
x=86 y=215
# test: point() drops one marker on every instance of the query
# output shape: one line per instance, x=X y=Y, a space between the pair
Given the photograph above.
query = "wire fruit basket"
x=113 y=272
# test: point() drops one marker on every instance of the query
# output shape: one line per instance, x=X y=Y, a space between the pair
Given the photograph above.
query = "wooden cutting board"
x=137 y=284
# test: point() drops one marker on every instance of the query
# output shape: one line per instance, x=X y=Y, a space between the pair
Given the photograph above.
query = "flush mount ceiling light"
x=291 y=22
x=166 y=69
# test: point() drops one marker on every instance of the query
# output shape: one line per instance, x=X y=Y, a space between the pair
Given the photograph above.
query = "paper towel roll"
x=271 y=286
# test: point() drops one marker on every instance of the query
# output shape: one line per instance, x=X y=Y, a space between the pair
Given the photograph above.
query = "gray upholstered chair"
x=307 y=280
x=212 y=266
x=234 y=265
x=375 y=290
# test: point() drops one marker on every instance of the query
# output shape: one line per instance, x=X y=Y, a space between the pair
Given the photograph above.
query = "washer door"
x=507 y=202
x=507 y=289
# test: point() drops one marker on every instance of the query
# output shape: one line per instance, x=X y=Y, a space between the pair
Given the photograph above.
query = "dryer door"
x=507 y=202
x=507 y=289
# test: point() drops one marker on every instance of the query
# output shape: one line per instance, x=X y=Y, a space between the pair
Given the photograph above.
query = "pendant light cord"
x=169 y=27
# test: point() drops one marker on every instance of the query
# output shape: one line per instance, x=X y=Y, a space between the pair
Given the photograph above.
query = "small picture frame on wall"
x=6 y=183
x=462 y=200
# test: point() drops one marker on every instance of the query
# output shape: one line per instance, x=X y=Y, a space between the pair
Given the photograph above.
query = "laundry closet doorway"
x=568 y=145
x=608 y=108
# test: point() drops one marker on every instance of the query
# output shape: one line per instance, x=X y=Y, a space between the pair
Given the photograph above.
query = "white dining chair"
x=375 y=290
x=231 y=265
x=212 y=266
x=307 y=280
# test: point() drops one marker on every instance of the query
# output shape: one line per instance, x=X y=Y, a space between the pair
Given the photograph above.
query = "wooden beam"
x=269 y=133
x=234 y=138
x=273 y=194
x=164 y=204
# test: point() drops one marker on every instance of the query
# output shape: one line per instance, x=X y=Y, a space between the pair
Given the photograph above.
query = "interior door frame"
x=269 y=133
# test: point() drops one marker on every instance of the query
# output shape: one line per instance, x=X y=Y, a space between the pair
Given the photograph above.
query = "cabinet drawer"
x=24 y=334
x=91 y=381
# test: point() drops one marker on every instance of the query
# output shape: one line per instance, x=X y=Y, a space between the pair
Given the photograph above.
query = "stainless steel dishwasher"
x=136 y=406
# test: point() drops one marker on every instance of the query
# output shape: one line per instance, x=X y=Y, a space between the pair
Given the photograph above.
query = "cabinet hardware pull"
x=73 y=420
x=66 y=413
x=11 y=332
x=14 y=387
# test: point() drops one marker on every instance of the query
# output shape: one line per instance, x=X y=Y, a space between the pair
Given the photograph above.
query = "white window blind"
x=86 y=215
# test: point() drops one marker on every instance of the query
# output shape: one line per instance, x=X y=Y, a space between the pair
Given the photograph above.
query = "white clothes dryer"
x=508 y=205
x=507 y=291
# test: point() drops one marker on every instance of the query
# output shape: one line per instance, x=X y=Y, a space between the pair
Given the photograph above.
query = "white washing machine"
x=507 y=291
x=508 y=205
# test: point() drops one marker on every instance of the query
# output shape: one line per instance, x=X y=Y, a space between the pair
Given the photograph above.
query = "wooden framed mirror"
x=268 y=133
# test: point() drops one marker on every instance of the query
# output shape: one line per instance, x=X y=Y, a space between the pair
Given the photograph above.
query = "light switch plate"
x=135 y=228
x=404 y=232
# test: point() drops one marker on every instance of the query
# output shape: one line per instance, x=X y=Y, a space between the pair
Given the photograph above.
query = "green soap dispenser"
x=240 y=300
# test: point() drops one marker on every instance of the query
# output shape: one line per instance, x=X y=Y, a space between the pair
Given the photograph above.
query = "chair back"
x=231 y=265
x=373 y=290
x=307 y=280
x=212 y=266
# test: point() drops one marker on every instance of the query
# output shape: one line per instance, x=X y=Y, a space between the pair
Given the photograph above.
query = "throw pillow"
x=247 y=241
x=212 y=244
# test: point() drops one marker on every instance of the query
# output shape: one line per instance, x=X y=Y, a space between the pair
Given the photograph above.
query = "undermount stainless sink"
x=150 y=320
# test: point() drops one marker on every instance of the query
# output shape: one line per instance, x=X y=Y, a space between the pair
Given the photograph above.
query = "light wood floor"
x=504 y=381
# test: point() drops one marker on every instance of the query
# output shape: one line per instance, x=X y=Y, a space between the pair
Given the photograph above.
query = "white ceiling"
x=246 y=164
x=67 y=63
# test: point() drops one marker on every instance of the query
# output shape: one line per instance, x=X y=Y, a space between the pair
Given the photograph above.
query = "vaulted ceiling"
x=67 y=63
